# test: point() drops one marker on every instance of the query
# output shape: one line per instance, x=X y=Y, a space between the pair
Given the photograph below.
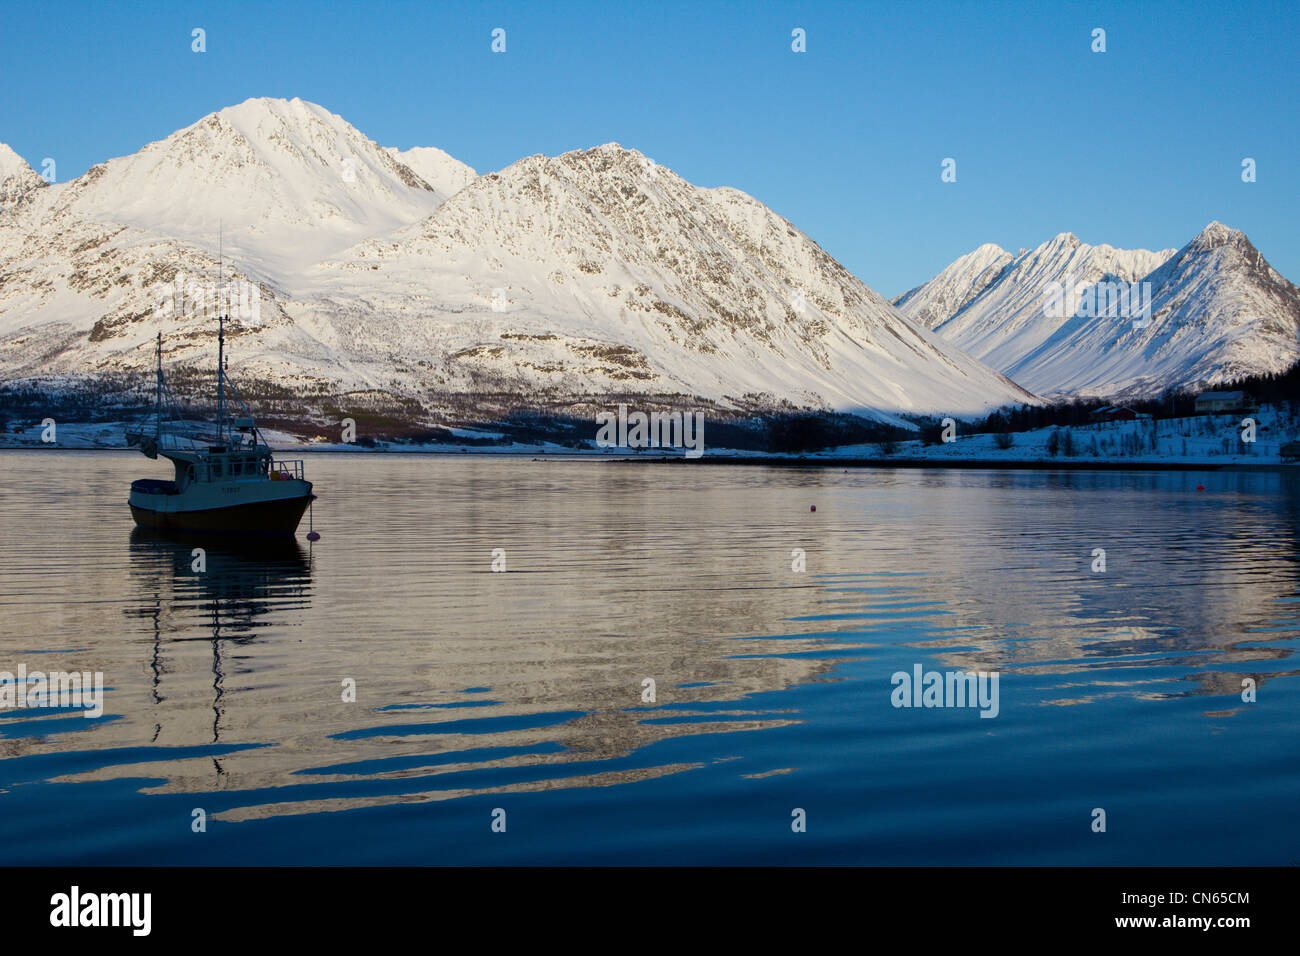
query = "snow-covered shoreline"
x=1192 y=443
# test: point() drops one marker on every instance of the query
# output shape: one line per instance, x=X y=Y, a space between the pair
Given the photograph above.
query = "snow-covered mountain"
x=1219 y=312
x=1000 y=318
x=597 y=271
x=952 y=289
x=402 y=274
x=283 y=183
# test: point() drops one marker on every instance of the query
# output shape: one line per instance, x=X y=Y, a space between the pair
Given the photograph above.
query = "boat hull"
x=276 y=516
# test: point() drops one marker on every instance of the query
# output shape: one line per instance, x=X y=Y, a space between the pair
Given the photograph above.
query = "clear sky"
x=1139 y=146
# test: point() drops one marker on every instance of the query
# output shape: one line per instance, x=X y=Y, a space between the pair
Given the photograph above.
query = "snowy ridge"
x=1006 y=320
x=949 y=292
x=1219 y=312
x=287 y=181
x=444 y=173
x=562 y=281
x=599 y=271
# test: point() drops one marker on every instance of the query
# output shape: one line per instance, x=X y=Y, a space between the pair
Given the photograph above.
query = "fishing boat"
x=231 y=484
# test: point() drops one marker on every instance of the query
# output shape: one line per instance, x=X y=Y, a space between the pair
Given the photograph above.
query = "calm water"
x=523 y=690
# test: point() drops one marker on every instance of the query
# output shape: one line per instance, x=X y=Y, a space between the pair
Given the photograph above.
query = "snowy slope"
x=446 y=174
x=1006 y=320
x=595 y=271
x=83 y=263
x=400 y=273
x=949 y=292
x=1219 y=312
x=287 y=182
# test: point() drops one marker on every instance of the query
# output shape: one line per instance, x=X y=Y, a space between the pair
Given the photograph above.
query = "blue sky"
x=1139 y=146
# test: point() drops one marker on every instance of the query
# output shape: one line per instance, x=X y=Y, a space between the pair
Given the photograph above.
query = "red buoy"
x=1200 y=487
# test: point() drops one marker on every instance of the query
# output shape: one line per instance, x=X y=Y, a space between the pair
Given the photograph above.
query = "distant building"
x=1223 y=402
x=1116 y=413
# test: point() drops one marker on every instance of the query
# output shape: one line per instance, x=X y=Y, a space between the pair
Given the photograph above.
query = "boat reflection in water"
x=207 y=603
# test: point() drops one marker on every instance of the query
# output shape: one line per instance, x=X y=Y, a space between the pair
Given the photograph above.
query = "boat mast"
x=221 y=378
x=221 y=341
x=157 y=400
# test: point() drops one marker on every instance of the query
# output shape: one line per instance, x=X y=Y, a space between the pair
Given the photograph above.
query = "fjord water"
x=477 y=690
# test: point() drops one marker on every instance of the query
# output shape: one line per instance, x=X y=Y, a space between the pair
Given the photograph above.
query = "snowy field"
x=1200 y=439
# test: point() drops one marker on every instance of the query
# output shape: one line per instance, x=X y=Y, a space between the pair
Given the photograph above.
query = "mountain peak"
x=615 y=151
x=1217 y=234
x=291 y=183
x=11 y=162
x=17 y=178
x=956 y=286
x=256 y=114
x=446 y=174
x=989 y=250
x=273 y=104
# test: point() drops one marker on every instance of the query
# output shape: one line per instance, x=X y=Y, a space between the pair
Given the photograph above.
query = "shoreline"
x=760 y=458
x=1022 y=464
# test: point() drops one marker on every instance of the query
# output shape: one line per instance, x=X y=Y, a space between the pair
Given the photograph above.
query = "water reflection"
x=488 y=692
x=223 y=590
x=229 y=682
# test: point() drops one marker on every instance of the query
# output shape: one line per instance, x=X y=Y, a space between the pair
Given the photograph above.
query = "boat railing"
x=282 y=470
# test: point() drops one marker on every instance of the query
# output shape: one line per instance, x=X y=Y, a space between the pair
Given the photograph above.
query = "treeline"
x=811 y=432
x=1273 y=389
x=1282 y=388
x=98 y=400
